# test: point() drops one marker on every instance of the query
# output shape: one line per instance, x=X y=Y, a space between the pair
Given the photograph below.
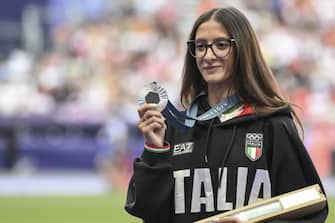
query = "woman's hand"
x=151 y=124
x=226 y=220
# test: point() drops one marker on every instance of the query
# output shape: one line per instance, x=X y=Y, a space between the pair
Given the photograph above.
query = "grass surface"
x=98 y=209
x=89 y=209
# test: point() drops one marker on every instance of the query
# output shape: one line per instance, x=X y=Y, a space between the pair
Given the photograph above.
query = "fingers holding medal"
x=153 y=100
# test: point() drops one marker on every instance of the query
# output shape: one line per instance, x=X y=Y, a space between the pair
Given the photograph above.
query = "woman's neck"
x=217 y=94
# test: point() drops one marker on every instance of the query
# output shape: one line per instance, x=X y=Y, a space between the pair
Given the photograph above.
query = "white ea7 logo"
x=183 y=148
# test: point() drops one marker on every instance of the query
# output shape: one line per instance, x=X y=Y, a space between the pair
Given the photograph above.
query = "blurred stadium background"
x=70 y=71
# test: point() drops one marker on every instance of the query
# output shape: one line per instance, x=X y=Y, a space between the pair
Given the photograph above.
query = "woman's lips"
x=211 y=69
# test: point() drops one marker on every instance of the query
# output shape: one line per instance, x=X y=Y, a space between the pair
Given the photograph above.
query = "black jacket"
x=251 y=157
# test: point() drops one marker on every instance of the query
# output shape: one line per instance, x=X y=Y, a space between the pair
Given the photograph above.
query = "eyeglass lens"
x=220 y=47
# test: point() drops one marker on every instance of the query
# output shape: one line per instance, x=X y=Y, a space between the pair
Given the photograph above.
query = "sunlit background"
x=70 y=73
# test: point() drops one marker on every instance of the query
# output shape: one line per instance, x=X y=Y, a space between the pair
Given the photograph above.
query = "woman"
x=252 y=151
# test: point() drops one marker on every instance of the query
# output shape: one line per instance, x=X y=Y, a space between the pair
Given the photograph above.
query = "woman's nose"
x=210 y=54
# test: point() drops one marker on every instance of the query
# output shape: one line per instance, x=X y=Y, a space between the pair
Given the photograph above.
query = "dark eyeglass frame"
x=191 y=43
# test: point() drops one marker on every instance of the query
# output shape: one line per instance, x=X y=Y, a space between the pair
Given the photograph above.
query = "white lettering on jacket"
x=261 y=178
x=202 y=182
x=179 y=190
x=202 y=178
x=223 y=204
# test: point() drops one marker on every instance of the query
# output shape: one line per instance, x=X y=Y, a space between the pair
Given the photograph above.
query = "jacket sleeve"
x=291 y=166
x=150 y=187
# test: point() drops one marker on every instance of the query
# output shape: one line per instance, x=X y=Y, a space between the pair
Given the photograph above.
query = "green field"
x=98 y=209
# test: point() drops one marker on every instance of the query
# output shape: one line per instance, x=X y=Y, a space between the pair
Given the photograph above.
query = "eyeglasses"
x=220 y=47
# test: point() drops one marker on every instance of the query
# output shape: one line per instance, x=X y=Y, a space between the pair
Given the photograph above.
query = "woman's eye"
x=221 y=45
x=200 y=46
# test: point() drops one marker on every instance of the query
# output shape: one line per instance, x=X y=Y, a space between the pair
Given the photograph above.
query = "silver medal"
x=153 y=93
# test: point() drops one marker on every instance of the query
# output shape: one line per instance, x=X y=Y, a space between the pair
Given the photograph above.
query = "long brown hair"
x=252 y=76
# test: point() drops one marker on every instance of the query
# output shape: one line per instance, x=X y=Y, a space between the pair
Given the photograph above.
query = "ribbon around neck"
x=154 y=93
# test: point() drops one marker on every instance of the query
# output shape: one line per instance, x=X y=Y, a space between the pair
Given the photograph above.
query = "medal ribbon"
x=179 y=119
x=185 y=121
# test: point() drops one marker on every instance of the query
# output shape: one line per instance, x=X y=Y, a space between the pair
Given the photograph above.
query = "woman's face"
x=215 y=67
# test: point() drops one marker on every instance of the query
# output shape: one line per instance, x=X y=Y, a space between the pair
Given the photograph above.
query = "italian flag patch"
x=253 y=145
x=254 y=152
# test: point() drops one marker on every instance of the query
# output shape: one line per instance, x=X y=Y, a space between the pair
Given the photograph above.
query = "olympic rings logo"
x=254 y=136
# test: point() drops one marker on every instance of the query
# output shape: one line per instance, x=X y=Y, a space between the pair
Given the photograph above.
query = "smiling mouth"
x=211 y=68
